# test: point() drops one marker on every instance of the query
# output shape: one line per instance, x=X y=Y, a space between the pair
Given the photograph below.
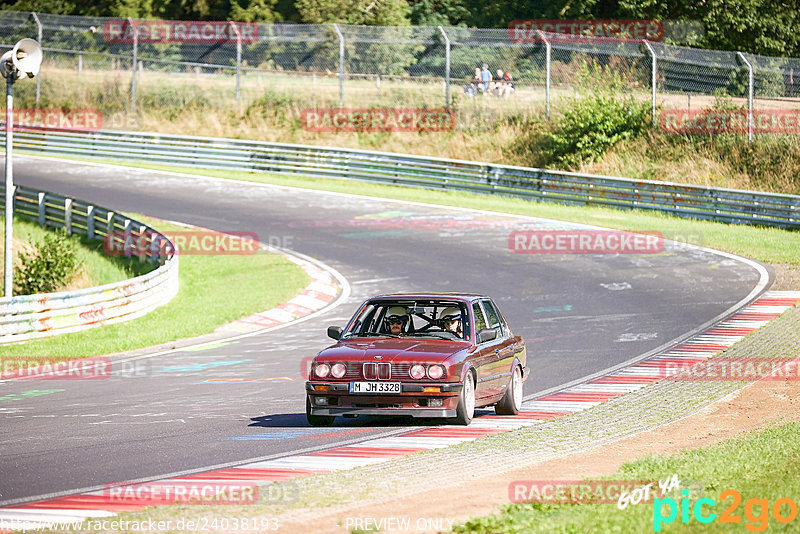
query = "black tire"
x=317 y=420
x=465 y=410
x=512 y=400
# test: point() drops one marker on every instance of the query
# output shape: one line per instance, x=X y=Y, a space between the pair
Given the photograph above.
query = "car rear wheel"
x=512 y=400
x=466 y=402
x=317 y=420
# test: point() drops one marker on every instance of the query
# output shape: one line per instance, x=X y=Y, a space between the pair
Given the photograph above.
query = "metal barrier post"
x=341 y=64
x=238 y=56
x=749 y=95
x=8 y=288
x=39 y=76
x=653 y=74
x=133 y=64
x=548 y=53
x=446 y=68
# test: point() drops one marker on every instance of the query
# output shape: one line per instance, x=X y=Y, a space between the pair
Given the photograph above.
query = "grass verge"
x=215 y=290
x=763 y=468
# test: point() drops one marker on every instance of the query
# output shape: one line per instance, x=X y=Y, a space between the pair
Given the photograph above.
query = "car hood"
x=388 y=350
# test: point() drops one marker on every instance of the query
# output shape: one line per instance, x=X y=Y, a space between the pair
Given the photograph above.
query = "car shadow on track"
x=298 y=420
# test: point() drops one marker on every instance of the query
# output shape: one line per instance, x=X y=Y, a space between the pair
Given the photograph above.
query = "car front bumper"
x=412 y=401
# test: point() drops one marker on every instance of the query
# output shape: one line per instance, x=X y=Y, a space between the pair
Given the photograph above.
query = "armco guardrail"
x=31 y=316
x=727 y=205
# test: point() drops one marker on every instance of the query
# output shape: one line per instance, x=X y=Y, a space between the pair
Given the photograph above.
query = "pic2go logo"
x=756 y=511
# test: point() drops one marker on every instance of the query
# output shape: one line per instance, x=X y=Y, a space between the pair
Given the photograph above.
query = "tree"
x=362 y=12
x=439 y=12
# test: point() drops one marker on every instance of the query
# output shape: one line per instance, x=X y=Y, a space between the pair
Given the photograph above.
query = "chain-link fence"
x=125 y=66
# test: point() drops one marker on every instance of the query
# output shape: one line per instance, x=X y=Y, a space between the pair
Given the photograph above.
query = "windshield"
x=440 y=319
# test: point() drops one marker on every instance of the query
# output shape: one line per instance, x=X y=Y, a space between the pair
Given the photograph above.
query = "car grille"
x=386 y=371
x=377 y=371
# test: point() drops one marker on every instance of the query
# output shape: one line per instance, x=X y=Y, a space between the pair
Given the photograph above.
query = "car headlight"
x=338 y=370
x=322 y=370
x=417 y=371
x=435 y=372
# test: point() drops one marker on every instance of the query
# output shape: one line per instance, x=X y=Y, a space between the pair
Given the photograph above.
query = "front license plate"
x=375 y=387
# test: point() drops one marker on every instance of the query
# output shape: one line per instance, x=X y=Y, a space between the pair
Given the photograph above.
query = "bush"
x=595 y=124
x=50 y=267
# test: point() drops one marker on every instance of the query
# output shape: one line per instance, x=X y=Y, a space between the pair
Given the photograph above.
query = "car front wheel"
x=512 y=400
x=466 y=402
x=317 y=420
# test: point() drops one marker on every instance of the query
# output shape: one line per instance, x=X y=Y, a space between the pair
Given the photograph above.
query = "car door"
x=504 y=348
x=486 y=359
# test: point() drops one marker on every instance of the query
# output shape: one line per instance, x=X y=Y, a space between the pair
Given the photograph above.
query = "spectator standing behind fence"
x=486 y=78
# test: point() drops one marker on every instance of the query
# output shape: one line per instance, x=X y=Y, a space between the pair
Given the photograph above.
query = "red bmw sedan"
x=423 y=355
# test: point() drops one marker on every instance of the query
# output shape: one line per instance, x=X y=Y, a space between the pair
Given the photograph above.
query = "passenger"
x=451 y=320
x=396 y=319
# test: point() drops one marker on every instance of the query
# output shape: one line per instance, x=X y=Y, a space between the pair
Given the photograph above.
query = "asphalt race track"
x=580 y=314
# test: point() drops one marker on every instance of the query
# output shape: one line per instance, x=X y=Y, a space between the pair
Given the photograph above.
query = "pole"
x=39 y=77
x=446 y=68
x=133 y=64
x=341 y=64
x=653 y=73
x=238 y=56
x=750 y=84
x=9 y=211
x=548 y=53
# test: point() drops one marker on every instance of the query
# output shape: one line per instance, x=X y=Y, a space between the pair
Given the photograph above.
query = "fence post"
x=133 y=64
x=446 y=68
x=653 y=74
x=238 y=56
x=90 y=222
x=68 y=216
x=42 y=208
x=39 y=76
x=341 y=64
x=749 y=95
x=548 y=53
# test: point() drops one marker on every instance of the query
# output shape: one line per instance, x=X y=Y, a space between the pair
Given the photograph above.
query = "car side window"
x=480 y=320
x=491 y=314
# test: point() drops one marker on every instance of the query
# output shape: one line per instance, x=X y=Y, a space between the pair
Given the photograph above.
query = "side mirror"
x=335 y=332
x=486 y=334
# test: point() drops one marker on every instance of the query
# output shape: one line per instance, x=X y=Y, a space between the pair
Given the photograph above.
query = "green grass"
x=214 y=290
x=769 y=245
x=760 y=466
x=96 y=268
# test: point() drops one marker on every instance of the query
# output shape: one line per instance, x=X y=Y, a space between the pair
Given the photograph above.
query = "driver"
x=396 y=319
x=451 y=320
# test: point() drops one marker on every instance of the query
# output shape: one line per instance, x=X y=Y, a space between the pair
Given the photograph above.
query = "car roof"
x=469 y=297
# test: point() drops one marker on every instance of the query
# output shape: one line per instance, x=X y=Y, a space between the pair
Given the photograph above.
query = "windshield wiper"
x=361 y=334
